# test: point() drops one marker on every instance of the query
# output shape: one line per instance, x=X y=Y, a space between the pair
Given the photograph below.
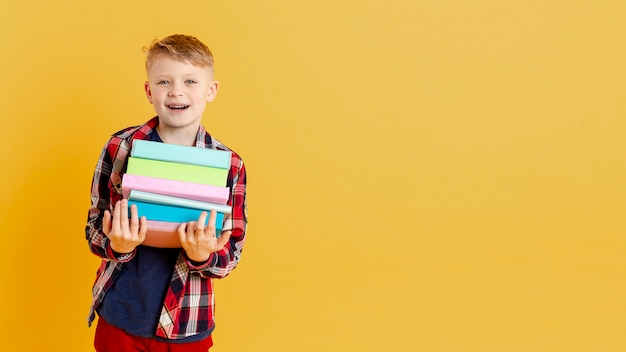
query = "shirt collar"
x=202 y=137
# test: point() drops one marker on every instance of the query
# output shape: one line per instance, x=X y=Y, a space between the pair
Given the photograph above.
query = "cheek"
x=156 y=96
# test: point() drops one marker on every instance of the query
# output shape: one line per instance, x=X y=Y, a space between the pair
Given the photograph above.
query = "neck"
x=180 y=137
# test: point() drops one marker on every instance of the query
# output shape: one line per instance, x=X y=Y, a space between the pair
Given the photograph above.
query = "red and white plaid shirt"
x=188 y=308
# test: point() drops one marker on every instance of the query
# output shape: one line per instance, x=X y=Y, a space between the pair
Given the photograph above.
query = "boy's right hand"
x=125 y=234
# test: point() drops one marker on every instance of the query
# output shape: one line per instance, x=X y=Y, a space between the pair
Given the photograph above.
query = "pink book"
x=189 y=190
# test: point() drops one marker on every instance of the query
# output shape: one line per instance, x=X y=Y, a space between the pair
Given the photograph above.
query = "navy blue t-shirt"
x=135 y=300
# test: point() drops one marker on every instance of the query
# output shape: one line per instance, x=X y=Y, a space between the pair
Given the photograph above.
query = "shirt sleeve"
x=222 y=262
x=101 y=199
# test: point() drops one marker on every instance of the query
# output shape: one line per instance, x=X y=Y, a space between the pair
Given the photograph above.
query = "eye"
x=163 y=82
x=190 y=81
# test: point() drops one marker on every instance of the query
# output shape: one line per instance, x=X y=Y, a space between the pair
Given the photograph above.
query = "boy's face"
x=179 y=92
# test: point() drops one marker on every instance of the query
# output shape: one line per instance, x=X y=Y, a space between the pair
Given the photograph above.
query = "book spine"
x=169 y=213
x=148 y=197
x=163 y=234
x=188 y=190
x=181 y=154
x=176 y=171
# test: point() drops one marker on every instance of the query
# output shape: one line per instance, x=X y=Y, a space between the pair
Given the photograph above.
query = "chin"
x=180 y=123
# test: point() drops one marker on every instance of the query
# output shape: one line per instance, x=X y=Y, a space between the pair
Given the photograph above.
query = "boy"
x=161 y=299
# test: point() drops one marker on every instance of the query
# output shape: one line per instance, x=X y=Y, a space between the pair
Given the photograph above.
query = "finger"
x=182 y=232
x=134 y=220
x=191 y=231
x=106 y=222
x=115 y=227
x=212 y=219
x=221 y=242
x=201 y=221
x=124 y=216
x=143 y=228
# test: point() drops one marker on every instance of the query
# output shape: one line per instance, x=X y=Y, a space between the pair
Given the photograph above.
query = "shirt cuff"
x=199 y=266
x=120 y=257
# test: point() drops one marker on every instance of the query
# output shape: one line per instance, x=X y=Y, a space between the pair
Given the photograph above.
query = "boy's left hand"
x=200 y=241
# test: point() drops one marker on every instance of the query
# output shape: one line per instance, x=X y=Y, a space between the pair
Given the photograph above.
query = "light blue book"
x=150 y=197
x=170 y=213
x=180 y=154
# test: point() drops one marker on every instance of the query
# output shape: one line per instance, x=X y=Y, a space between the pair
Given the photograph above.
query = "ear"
x=212 y=91
x=146 y=87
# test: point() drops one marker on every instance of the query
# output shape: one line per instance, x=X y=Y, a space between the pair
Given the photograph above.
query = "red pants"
x=111 y=339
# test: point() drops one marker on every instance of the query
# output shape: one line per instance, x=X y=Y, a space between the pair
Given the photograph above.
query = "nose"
x=175 y=91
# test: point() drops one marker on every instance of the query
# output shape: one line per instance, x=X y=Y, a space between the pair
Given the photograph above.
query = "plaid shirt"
x=188 y=308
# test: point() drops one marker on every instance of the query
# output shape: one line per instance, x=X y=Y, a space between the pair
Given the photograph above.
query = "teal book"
x=163 y=199
x=176 y=171
x=181 y=154
x=168 y=213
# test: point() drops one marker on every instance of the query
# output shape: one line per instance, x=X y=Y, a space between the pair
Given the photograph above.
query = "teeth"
x=178 y=106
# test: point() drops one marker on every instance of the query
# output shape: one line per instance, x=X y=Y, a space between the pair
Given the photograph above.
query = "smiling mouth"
x=178 y=107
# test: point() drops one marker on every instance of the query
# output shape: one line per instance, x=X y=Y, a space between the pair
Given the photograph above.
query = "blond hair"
x=184 y=48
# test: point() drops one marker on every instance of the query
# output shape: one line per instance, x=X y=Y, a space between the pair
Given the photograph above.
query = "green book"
x=177 y=171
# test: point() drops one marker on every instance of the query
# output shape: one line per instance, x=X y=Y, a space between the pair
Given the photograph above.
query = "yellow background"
x=423 y=175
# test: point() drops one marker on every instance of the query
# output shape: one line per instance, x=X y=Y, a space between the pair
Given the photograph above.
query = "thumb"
x=221 y=242
x=106 y=222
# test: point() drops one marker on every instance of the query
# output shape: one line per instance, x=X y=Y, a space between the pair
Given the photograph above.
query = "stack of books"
x=172 y=184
